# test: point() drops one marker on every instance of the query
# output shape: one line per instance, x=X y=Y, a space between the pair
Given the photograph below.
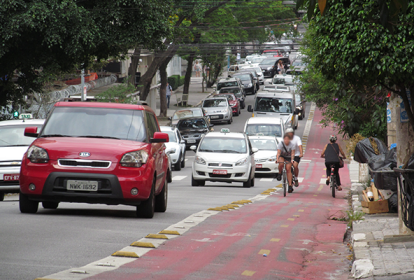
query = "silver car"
x=218 y=109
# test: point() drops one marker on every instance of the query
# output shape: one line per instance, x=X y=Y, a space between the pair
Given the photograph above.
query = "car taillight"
x=37 y=155
x=134 y=159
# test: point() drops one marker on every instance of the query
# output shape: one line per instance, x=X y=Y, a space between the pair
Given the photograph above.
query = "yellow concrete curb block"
x=279 y=186
x=143 y=244
x=244 y=201
x=156 y=236
x=45 y=279
x=171 y=232
x=125 y=254
x=214 y=209
x=234 y=205
x=229 y=207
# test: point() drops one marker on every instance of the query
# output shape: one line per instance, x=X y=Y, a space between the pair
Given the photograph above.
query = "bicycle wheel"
x=284 y=183
x=333 y=185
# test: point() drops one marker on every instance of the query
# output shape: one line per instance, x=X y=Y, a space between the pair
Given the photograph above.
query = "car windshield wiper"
x=55 y=135
x=99 y=136
x=204 y=150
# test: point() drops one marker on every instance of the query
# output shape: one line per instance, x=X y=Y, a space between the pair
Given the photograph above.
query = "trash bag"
x=386 y=181
x=391 y=158
x=393 y=203
x=410 y=164
x=376 y=162
x=364 y=150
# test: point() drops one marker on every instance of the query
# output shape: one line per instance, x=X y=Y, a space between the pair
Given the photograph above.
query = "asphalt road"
x=76 y=234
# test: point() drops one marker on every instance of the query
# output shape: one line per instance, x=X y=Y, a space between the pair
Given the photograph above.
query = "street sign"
x=26 y=116
x=15 y=114
x=403 y=112
x=388 y=113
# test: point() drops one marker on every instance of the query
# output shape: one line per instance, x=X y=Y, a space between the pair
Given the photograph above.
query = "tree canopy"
x=40 y=37
x=351 y=47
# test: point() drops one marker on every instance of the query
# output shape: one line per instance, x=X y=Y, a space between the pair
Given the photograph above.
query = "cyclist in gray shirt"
x=286 y=152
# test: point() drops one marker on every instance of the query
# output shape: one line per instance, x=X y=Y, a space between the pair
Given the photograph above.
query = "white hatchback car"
x=267 y=126
x=175 y=147
x=224 y=157
x=265 y=158
x=13 y=145
x=218 y=109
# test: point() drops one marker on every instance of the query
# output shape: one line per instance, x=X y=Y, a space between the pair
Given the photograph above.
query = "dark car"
x=192 y=129
x=186 y=113
x=300 y=106
x=269 y=65
x=248 y=81
x=237 y=92
x=254 y=73
x=230 y=82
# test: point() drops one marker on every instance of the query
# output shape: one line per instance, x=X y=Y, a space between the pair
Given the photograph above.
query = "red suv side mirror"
x=31 y=131
x=160 y=137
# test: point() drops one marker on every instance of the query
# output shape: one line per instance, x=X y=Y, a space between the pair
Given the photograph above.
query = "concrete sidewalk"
x=374 y=258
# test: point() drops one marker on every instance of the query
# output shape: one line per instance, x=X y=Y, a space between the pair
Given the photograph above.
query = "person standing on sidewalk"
x=168 y=92
x=298 y=152
x=331 y=155
x=197 y=68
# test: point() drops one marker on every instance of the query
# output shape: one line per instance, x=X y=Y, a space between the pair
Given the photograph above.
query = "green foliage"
x=119 y=93
x=353 y=216
x=175 y=81
x=43 y=37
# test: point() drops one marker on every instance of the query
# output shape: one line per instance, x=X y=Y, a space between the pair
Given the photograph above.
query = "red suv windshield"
x=95 y=123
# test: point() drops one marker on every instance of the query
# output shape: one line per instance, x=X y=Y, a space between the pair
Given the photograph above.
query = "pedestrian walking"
x=168 y=93
x=197 y=69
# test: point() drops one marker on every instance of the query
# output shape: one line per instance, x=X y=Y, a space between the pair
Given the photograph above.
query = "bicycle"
x=284 y=177
x=332 y=182
x=294 y=177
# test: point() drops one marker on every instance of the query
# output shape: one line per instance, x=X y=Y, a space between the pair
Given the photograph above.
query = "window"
x=96 y=122
x=274 y=105
x=264 y=130
x=223 y=145
x=264 y=144
x=215 y=103
x=14 y=136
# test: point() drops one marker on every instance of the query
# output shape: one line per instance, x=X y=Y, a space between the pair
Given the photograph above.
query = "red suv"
x=97 y=153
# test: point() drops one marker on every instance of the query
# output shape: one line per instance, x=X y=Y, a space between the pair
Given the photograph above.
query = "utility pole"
x=82 y=83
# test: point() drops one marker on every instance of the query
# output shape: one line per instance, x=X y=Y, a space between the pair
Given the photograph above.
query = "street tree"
x=352 y=47
x=42 y=37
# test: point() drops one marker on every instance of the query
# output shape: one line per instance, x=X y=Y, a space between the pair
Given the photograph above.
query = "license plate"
x=214 y=117
x=258 y=166
x=220 y=172
x=11 y=177
x=75 y=185
x=191 y=141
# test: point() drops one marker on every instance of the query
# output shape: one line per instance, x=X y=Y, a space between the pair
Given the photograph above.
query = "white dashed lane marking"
x=178 y=178
x=266 y=179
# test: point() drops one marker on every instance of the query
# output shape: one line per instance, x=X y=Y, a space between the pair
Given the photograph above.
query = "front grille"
x=222 y=165
x=84 y=163
x=263 y=169
x=9 y=183
x=219 y=175
x=191 y=136
x=216 y=117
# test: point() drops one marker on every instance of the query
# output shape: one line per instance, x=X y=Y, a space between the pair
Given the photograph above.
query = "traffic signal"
x=16 y=114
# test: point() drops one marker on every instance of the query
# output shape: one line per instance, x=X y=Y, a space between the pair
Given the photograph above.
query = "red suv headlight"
x=134 y=159
x=37 y=155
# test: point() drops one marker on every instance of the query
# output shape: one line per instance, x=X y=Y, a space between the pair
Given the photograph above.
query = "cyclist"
x=286 y=152
x=298 y=152
x=331 y=155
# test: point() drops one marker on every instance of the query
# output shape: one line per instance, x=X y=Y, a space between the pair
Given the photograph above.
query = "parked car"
x=234 y=102
x=93 y=152
x=230 y=82
x=224 y=157
x=237 y=92
x=186 y=113
x=269 y=67
x=193 y=129
x=218 y=109
x=13 y=145
x=249 y=83
x=175 y=147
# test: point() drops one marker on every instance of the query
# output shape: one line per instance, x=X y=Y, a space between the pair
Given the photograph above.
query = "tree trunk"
x=163 y=90
x=133 y=65
x=190 y=60
x=144 y=84
x=188 y=74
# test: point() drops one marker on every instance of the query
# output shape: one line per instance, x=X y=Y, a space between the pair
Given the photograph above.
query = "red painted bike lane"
x=279 y=237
